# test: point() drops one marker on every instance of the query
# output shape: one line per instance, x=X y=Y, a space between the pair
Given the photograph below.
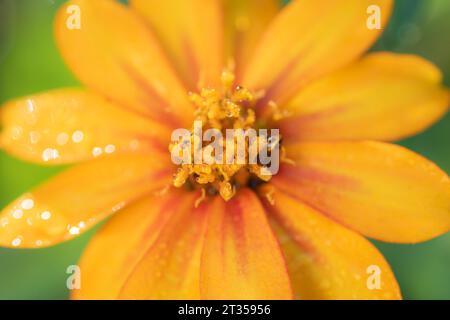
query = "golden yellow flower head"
x=227 y=107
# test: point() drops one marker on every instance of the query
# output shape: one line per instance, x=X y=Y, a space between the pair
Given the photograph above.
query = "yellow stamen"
x=268 y=194
x=200 y=199
x=226 y=190
x=181 y=176
x=229 y=107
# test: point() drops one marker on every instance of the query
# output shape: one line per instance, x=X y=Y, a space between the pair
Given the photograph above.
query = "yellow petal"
x=70 y=125
x=80 y=197
x=384 y=96
x=245 y=22
x=326 y=260
x=192 y=34
x=308 y=39
x=114 y=251
x=241 y=258
x=114 y=53
x=170 y=267
x=381 y=190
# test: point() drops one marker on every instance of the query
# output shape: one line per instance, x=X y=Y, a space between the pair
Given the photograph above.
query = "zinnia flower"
x=219 y=232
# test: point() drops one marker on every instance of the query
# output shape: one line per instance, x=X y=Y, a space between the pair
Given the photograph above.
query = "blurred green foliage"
x=29 y=63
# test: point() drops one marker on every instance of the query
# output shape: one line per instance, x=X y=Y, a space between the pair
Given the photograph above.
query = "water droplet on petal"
x=17 y=214
x=30 y=105
x=74 y=230
x=62 y=138
x=50 y=154
x=35 y=136
x=96 y=152
x=16 y=242
x=118 y=206
x=46 y=215
x=77 y=136
x=27 y=204
x=110 y=148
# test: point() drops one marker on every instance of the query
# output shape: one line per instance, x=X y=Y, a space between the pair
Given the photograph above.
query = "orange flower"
x=299 y=235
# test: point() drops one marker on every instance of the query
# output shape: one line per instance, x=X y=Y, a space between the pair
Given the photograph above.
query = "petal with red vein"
x=245 y=22
x=119 y=245
x=241 y=258
x=381 y=190
x=170 y=268
x=384 y=96
x=192 y=34
x=326 y=260
x=308 y=39
x=80 y=197
x=114 y=53
x=71 y=125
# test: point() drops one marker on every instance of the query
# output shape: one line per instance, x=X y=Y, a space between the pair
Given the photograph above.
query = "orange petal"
x=385 y=96
x=241 y=258
x=308 y=39
x=70 y=125
x=114 y=53
x=381 y=190
x=192 y=34
x=170 y=267
x=80 y=197
x=326 y=260
x=115 y=250
x=245 y=22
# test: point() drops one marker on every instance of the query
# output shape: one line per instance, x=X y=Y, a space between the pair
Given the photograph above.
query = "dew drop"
x=27 y=204
x=17 y=214
x=118 y=206
x=46 y=215
x=62 y=138
x=50 y=154
x=77 y=136
x=110 y=148
x=35 y=136
x=16 y=242
x=30 y=105
x=74 y=230
x=96 y=152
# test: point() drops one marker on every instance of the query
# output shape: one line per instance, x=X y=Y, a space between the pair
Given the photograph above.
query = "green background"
x=29 y=63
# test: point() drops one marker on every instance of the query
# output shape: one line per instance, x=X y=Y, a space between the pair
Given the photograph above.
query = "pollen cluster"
x=229 y=107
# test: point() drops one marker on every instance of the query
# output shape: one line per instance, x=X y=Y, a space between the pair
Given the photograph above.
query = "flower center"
x=235 y=153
